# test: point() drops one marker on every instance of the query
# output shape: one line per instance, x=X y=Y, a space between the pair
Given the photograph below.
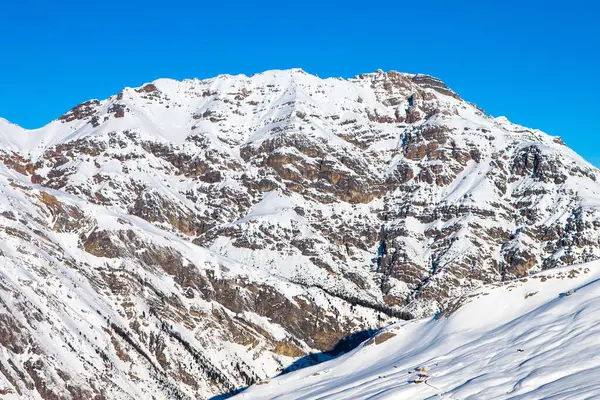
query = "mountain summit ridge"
x=277 y=75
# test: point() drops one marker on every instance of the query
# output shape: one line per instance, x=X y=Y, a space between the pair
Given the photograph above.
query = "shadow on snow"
x=343 y=346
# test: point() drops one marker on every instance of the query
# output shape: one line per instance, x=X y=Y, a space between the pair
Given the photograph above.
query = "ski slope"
x=529 y=339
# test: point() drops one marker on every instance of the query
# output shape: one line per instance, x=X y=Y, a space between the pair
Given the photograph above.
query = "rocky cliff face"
x=184 y=239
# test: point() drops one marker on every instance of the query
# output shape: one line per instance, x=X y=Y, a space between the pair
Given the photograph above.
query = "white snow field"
x=536 y=338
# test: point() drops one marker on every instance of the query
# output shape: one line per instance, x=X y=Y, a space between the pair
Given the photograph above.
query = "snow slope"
x=529 y=339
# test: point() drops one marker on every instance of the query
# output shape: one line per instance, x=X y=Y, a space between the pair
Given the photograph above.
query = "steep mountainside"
x=189 y=238
x=534 y=338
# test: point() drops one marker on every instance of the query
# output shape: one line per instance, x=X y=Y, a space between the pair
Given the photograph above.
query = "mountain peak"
x=170 y=98
x=188 y=238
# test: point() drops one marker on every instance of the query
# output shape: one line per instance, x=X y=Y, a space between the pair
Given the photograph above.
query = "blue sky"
x=537 y=62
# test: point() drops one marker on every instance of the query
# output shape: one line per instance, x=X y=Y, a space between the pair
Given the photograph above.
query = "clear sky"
x=537 y=62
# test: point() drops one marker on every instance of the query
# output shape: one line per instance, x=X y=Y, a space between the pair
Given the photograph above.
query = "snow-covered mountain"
x=185 y=239
x=534 y=338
